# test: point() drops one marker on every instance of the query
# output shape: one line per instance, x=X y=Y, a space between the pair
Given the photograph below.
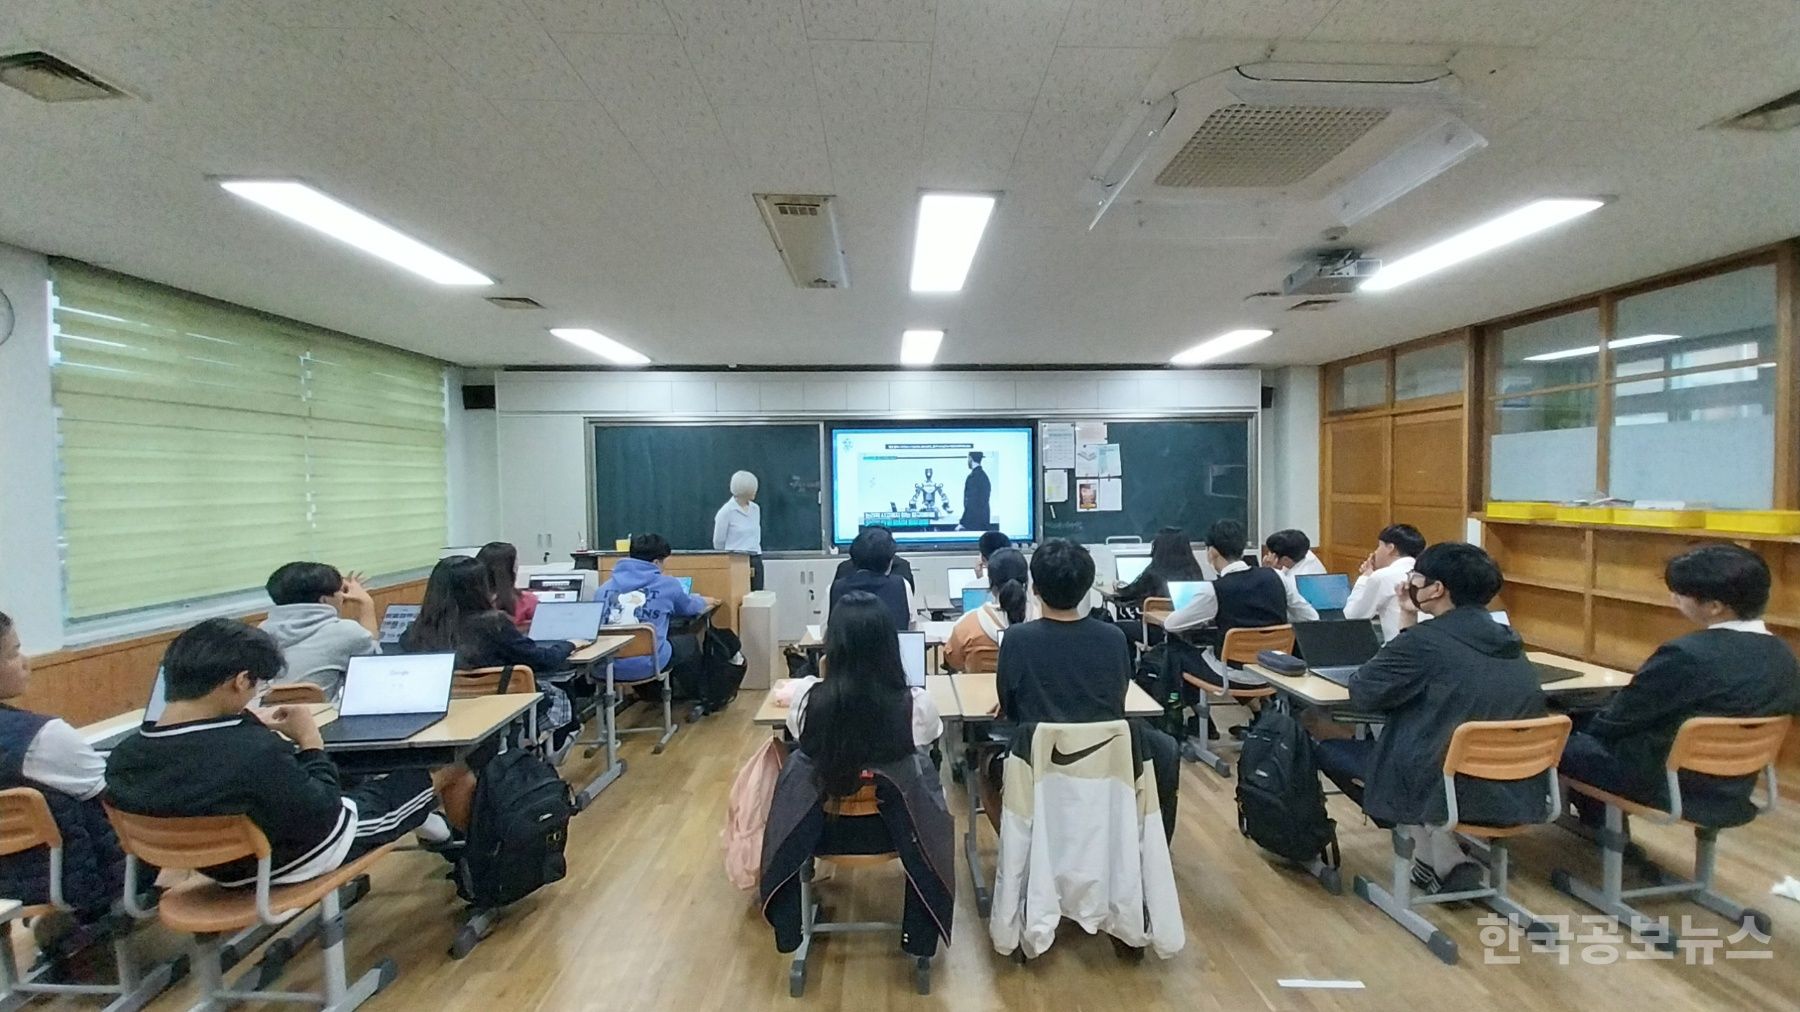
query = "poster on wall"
x=1059 y=449
x=1056 y=486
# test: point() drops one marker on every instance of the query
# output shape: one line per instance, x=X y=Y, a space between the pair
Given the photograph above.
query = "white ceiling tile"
x=509 y=61
x=872 y=97
x=872 y=20
x=992 y=55
x=780 y=150
x=970 y=148
x=630 y=17
x=460 y=13
x=765 y=17
x=586 y=152
x=752 y=69
x=1131 y=22
x=650 y=89
x=1515 y=23
x=315 y=13
x=1259 y=19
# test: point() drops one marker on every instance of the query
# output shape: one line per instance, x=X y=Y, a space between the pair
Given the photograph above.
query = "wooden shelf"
x=1531 y=581
x=1634 y=597
x=1680 y=532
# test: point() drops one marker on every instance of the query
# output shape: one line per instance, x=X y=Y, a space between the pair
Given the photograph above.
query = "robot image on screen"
x=933 y=485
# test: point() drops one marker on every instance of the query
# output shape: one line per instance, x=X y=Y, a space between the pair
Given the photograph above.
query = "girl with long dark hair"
x=978 y=632
x=502 y=562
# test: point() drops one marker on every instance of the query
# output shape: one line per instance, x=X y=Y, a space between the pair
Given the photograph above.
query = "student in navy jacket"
x=872 y=555
x=638 y=591
x=1730 y=667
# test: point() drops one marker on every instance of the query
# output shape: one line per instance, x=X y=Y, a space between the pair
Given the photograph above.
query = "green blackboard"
x=672 y=479
x=1182 y=472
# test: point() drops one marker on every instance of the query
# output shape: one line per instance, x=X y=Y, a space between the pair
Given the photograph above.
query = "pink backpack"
x=751 y=795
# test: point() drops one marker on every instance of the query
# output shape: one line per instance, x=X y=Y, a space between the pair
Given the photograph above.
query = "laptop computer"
x=1333 y=650
x=567 y=587
x=956 y=581
x=1326 y=592
x=1130 y=567
x=912 y=657
x=394 y=622
x=1183 y=592
x=973 y=598
x=687 y=584
x=567 y=620
x=1500 y=616
x=392 y=698
x=153 y=710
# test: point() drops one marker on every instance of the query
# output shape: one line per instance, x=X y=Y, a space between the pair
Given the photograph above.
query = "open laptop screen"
x=973 y=598
x=1131 y=566
x=1183 y=592
x=956 y=580
x=153 y=710
x=912 y=658
x=1324 y=591
x=396 y=620
x=415 y=683
x=1335 y=643
x=569 y=620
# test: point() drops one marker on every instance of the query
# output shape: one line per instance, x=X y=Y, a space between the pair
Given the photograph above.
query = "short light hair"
x=743 y=483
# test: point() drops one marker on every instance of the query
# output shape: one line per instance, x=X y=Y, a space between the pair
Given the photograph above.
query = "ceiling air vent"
x=513 y=302
x=1781 y=114
x=805 y=230
x=49 y=78
x=1266 y=145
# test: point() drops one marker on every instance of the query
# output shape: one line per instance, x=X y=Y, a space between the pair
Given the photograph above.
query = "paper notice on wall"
x=1098 y=460
x=1059 y=446
x=1090 y=432
x=1098 y=495
x=1112 y=495
x=1056 y=486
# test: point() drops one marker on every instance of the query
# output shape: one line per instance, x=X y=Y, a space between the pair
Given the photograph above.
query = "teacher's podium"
x=724 y=576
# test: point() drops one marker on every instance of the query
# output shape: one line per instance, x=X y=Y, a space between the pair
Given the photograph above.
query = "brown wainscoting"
x=93 y=683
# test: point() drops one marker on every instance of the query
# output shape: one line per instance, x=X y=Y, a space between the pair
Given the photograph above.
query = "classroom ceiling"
x=600 y=156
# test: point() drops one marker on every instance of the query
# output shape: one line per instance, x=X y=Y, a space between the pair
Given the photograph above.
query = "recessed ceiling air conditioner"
x=1265 y=148
x=805 y=230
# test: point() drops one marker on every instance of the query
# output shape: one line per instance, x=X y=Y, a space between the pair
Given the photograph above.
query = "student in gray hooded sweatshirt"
x=316 y=641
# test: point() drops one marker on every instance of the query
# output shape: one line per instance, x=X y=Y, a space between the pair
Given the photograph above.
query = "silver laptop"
x=955 y=580
x=1131 y=566
x=912 y=658
x=392 y=698
x=567 y=621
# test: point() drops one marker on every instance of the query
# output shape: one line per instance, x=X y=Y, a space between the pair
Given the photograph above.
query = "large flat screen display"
x=933 y=484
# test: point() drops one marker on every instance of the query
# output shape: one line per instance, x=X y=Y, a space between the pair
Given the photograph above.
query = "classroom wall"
x=542 y=434
x=1290 y=452
x=30 y=561
x=471 y=463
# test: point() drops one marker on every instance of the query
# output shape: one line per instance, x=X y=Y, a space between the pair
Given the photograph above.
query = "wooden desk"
x=603 y=647
x=980 y=696
x=99 y=730
x=936 y=634
x=942 y=688
x=1316 y=691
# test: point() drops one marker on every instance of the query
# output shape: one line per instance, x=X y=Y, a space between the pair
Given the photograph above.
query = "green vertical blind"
x=203 y=445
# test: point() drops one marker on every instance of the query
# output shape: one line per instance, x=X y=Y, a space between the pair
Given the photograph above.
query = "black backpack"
x=722 y=668
x=1280 y=803
x=518 y=826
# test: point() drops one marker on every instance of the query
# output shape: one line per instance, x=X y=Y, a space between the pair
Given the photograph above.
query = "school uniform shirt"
x=1205 y=606
x=61 y=759
x=236 y=766
x=1373 y=596
x=738 y=528
x=1063 y=672
x=1309 y=566
x=927 y=723
x=316 y=644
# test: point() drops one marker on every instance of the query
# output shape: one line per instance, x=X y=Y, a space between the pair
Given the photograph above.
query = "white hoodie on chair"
x=1081 y=837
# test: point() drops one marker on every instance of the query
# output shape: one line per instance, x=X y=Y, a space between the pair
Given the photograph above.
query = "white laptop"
x=955 y=580
x=567 y=620
x=392 y=698
x=912 y=658
x=1131 y=566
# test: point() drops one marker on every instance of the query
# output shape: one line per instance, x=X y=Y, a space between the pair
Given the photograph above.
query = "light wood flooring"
x=646 y=920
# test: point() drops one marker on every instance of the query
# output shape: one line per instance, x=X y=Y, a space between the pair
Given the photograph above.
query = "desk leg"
x=615 y=767
x=984 y=897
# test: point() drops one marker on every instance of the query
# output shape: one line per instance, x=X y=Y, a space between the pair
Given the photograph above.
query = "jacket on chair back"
x=1081 y=837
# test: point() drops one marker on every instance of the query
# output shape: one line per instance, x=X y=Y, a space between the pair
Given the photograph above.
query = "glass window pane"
x=1559 y=351
x=1429 y=371
x=1363 y=385
x=1719 y=320
x=1544 y=448
x=1701 y=437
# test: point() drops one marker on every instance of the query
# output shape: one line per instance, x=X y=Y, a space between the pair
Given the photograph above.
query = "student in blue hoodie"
x=640 y=592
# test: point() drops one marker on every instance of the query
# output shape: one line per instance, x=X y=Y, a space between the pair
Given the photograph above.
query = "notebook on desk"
x=392 y=698
x=1333 y=650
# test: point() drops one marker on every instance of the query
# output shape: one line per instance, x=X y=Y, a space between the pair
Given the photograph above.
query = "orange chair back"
x=1728 y=746
x=1157 y=606
x=190 y=842
x=293 y=694
x=477 y=682
x=26 y=822
x=1506 y=749
x=860 y=803
x=982 y=659
x=1242 y=645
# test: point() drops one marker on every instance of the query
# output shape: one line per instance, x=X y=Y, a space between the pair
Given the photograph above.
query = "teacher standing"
x=738 y=525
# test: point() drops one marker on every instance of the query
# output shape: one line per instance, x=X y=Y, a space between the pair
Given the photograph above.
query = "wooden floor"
x=646 y=920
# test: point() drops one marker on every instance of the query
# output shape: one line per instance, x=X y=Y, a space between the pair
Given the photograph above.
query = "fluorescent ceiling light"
x=1594 y=349
x=594 y=342
x=309 y=207
x=1224 y=344
x=920 y=347
x=950 y=228
x=1486 y=237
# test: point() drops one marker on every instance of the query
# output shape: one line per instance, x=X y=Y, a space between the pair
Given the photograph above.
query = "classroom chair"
x=26 y=823
x=813 y=921
x=1502 y=750
x=293 y=694
x=212 y=913
x=1158 y=607
x=473 y=683
x=1716 y=746
x=1240 y=648
x=643 y=644
x=983 y=659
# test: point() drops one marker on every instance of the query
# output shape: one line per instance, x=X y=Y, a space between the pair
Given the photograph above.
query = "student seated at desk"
x=980 y=629
x=865 y=699
x=502 y=562
x=1171 y=561
x=639 y=592
x=1241 y=597
x=1289 y=553
x=990 y=542
x=210 y=755
x=1732 y=666
x=1378 y=580
x=44 y=752
x=901 y=567
x=1432 y=677
x=459 y=616
x=872 y=556
x=1071 y=668
x=316 y=641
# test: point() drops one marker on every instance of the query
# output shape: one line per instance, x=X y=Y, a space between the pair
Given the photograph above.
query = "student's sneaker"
x=556 y=755
x=1465 y=877
x=1424 y=877
x=434 y=830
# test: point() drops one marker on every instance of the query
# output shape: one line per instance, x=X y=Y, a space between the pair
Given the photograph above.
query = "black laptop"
x=391 y=698
x=1333 y=650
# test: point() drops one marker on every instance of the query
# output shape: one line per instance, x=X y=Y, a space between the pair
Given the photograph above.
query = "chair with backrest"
x=27 y=823
x=210 y=912
x=1493 y=750
x=1239 y=648
x=473 y=683
x=293 y=694
x=643 y=644
x=813 y=921
x=1153 y=611
x=1713 y=746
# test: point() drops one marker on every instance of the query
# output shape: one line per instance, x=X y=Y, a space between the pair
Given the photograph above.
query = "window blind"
x=203 y=444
